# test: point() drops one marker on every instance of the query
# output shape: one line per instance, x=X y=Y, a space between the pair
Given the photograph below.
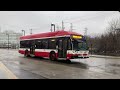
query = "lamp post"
x=30 y=31
x=51 y=27
x=8 y=39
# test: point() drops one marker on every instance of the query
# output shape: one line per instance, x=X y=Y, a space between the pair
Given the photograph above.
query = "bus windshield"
x=79 y=45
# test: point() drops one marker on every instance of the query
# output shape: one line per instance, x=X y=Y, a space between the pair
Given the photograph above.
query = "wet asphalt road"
x=36 y=68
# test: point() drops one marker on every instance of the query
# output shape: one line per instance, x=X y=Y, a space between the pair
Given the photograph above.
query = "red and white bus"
x=65 y=45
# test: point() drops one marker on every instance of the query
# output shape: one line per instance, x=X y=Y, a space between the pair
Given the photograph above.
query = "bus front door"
x=62 y=48
x=32 y=48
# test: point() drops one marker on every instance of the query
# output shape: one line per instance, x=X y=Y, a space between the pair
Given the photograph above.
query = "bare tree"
x=109 y=42
x=114 y=24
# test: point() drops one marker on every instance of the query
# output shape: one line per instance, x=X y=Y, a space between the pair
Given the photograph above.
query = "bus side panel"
x=69 y=56
x=42 y=54
x=21 y=51
x=39 y=52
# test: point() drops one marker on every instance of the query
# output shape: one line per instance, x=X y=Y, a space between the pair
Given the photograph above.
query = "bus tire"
x=52 y=56
x=26 y=53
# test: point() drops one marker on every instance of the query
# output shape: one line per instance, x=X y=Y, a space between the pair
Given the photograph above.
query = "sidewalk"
x=5 y=73
x=103 y=56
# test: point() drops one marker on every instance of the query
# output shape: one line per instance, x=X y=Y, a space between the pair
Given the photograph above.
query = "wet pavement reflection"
x=38 y=68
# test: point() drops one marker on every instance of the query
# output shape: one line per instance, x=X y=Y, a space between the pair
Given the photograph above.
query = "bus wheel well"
x=26 y=53
x=52 y=55
x=26 y=50
x=52 y=52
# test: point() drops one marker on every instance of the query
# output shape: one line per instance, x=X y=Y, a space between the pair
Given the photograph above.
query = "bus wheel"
x=26 y=53
x=52 y=56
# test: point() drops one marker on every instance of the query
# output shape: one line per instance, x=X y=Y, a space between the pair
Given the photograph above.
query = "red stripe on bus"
x=46 y=54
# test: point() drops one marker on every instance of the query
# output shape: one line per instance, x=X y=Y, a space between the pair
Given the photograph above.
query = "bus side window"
x=45 y=44
x=22 y=44
x=52 y=44
x=38 y=44
x=28 y=43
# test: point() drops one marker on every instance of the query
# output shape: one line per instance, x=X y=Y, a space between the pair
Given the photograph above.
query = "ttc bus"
x=65 y=45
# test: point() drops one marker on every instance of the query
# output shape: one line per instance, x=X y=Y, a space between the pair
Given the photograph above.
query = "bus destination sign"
x=77 y=37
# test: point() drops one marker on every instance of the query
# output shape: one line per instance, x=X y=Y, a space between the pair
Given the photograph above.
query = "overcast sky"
x=39 y=21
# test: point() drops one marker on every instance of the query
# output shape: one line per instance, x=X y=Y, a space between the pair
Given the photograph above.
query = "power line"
x=12 y=25
x=83 y=16
x=68 y=20
x=80 y=20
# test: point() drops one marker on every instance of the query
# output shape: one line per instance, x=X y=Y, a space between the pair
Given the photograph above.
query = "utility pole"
x=30 y=31
x=71 y=26
x=85 y=33
x=62 y=25
x=24 y=32
x=51 y=27
x=57 y=27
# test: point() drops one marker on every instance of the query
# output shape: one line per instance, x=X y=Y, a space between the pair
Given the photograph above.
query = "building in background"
x=9 y=39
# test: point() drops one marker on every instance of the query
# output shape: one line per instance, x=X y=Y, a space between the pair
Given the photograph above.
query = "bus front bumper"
x=78 y=56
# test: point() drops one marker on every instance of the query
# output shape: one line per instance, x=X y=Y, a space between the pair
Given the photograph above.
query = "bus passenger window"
x=38 y=44
x=52 y=44
x=44 y=44
x=22 y=44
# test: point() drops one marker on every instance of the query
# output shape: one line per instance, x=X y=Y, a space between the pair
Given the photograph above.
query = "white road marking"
x=7 y=72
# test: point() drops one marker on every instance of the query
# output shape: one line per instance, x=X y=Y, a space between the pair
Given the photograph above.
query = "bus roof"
x=49 y=34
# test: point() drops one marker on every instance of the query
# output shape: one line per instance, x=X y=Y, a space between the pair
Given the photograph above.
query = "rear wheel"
x=52 y=56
